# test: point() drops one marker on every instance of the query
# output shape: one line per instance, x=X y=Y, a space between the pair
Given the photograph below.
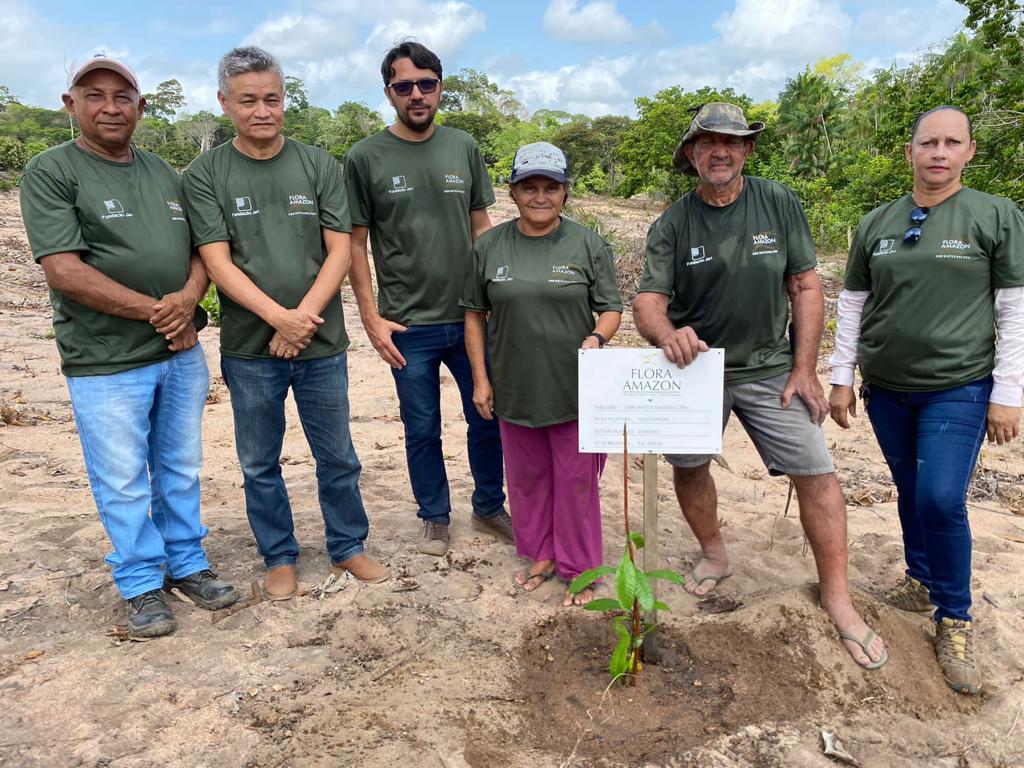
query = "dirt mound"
x=777 y=663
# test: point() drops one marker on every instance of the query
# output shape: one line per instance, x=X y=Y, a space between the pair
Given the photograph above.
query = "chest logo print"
x=115 y=210
x=301 y=205
x=503 y=275
x=766 y=243
x=177 y=214
x=243 y=207
x=697 y=256
x=564 y=273
x=885 y=247
x=453 y=182
x=398 y=184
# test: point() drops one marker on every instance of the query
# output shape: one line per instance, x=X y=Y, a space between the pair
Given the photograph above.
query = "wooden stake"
x=650 y=647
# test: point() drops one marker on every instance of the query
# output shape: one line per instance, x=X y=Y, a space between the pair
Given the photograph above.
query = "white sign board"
x=666 y=409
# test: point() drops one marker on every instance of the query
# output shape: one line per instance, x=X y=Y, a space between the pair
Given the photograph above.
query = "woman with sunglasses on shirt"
x=933 y=313
x=542 y=278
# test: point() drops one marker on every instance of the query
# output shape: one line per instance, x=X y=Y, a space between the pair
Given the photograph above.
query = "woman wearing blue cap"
x=542 y=278
x=933 y=312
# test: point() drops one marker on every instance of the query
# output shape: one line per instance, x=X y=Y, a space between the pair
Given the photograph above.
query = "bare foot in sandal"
x=581 y=598
x=535 y=576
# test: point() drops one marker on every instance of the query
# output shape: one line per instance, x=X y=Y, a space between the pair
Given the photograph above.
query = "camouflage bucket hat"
x=717 y=117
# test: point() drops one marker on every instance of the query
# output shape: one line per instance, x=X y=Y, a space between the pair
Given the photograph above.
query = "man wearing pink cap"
x=105 y=221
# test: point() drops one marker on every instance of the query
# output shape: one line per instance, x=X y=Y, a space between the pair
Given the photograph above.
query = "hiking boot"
x=149 y=615
x=435 y=539
x=954 y=649
x=204 y=589
x=499 y=526
x=911 y=595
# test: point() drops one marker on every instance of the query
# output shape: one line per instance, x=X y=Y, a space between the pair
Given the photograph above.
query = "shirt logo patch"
x=115 y=210
x=301 y=205
x=697 y=256
x=398 y=184
x=503 y=274
x=177 y=213
x=453 y=182
x=959 y=248
x=243 y=207
x=565 y=273
x=766 y=243
x=885 y=247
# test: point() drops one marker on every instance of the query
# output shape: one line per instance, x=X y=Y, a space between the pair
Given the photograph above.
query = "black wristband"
x=601 y=340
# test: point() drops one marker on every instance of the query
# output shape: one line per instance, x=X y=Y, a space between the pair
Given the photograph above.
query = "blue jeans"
x=142 y=444
x=424 y=348
x=320 y=387
x=931 y=442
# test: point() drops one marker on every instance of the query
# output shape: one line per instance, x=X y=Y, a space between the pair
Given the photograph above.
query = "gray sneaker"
x=500 y=526
x=434 y=540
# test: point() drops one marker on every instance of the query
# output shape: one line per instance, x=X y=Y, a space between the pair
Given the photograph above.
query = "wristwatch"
x=601 y=340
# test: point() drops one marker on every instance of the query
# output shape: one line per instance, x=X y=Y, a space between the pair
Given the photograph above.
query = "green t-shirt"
x=928 y=323
x=415 y=198
x=127 y=221
x=542 y=293
x=724 y=270
x=272 y=213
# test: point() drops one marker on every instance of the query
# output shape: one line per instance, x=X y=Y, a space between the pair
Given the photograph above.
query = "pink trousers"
x=553 y=496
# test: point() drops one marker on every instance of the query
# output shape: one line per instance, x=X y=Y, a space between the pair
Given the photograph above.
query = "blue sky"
x=593 y=57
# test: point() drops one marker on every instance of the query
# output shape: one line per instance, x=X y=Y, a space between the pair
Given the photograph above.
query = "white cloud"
x=785 y=28
x=300 y=37
x=910 y=26
x=598 y=21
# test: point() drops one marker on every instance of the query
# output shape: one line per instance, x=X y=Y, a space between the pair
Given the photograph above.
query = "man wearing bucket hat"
x=106 y=223
x=724 y=264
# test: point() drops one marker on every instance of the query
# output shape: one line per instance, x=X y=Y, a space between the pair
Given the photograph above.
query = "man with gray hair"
x=270 y=219
x=724 y=263
x=106 y=223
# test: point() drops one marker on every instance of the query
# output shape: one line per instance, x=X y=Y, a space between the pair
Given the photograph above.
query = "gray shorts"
x=788 y=441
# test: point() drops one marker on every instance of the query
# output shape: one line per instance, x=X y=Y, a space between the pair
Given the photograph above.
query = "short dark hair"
x=421 y=56
x=933 y=110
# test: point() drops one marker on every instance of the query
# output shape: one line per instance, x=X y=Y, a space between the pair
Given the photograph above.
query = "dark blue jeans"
x=931 y=442
x=320 y=387
x=424 y=348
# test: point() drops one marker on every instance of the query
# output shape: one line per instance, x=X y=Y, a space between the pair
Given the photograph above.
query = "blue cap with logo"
x=540 y=159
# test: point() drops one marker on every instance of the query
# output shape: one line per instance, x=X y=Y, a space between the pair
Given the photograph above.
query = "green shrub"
x=211 y=303
x=13 y=154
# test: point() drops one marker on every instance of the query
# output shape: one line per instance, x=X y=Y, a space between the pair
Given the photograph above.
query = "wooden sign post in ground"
x=651 y=548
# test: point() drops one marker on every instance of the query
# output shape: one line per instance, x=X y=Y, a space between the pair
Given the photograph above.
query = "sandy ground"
x=448 y=665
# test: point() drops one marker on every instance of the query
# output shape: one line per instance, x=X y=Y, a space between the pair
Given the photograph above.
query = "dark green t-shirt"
x=127 y=221
x=415 y=198
x=271 y=212
x=724 y=270
x=542 y=293
x=928 y=323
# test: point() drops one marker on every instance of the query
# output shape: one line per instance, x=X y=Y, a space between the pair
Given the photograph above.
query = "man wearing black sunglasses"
x=420 y=192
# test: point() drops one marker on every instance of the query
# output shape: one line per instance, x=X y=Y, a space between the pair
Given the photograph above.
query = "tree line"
x=834 y=134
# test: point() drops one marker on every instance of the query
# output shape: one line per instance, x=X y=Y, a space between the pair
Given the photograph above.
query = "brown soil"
x=446 y=665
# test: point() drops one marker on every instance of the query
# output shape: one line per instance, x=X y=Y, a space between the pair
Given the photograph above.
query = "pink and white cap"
x=100 y=61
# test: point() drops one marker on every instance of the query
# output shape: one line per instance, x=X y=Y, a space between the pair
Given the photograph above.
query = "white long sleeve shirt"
x=1008 y=374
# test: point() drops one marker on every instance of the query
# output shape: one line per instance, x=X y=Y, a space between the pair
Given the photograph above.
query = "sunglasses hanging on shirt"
x=913 y=233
